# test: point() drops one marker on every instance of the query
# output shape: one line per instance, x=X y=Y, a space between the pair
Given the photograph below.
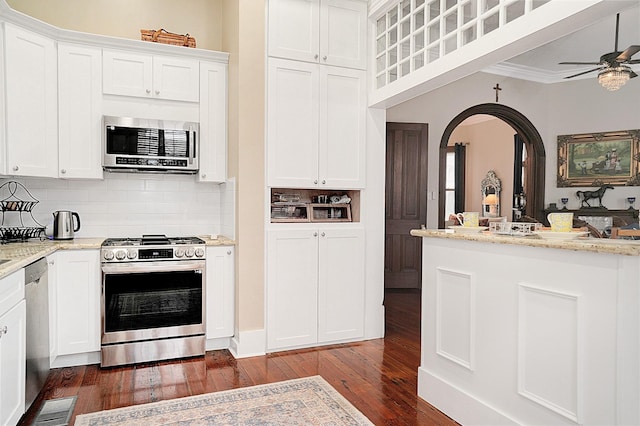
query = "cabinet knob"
x=324 y=181
x=148 y=91
x=157 y=92
x=63 y=171
x=3 y=330
x=315 y=56
x=203 y=175
x=324 y=58
x=322 y=235
x=16 y=168
x=315 y=182
x=315 y=234
x=52 y=262
x=229 y=252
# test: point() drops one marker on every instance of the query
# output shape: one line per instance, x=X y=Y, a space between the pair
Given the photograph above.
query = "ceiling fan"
x=613 y=67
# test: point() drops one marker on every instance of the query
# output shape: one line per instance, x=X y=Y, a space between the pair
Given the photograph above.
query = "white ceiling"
x=585 y=45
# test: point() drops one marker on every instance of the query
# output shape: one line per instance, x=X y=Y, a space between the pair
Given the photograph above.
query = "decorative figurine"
x=585 y=196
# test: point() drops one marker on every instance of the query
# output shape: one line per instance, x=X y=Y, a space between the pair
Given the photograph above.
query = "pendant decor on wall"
x=596 y=159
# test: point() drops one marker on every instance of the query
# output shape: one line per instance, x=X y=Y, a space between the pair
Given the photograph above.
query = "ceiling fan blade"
x=584 y=72
x=634 y=61
x=578 y=63
x=628 y=53
x=633 y=74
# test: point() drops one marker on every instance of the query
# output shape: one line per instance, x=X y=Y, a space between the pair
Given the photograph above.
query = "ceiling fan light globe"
x=613 y=78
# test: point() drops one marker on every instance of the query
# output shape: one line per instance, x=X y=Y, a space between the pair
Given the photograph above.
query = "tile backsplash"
x=131 y=204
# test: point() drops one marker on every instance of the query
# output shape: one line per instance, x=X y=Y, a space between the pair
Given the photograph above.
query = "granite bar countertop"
x=21 y=254
x=588 y=244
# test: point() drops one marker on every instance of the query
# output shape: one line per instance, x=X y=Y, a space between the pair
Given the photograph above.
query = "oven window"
x=152 y=300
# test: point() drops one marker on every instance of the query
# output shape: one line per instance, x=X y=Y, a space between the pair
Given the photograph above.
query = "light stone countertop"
x=23 y=253
x=594 y=245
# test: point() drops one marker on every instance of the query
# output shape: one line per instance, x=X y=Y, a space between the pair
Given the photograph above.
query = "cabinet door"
x=342 y=127
x=176 y=79
x=292 y=117
x=343 y=33
x=292 y=286
x=220 y=292
x=78 y=301
x=213 y=122
x=31 y=104
x=127 y=74
x=13 y=360
x=294 y=29
x=341 y=286
x=79 y=111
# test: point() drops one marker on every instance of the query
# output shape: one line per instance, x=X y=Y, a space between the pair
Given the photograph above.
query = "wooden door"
x=406 y=203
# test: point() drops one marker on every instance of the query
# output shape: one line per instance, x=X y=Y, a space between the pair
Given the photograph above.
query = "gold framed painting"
x=596 y=159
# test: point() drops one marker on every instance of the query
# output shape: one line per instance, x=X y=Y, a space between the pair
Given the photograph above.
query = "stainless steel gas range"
x=153 y=299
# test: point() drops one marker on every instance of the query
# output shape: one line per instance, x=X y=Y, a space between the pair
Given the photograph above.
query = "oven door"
x=152 y=300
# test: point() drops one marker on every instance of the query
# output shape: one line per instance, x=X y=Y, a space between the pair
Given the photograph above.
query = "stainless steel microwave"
x=138 y=145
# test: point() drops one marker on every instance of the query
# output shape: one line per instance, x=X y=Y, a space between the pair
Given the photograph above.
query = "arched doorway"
x=536 y=155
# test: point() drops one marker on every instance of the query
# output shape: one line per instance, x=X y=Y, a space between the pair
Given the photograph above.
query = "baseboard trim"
x=76 y=359
x=461 y=406
x=218 y=344
x=248 y=343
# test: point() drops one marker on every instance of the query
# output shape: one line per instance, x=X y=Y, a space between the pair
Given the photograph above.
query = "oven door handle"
x=140 y=267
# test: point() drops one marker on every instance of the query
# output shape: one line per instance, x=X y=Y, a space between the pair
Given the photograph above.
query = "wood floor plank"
x=379 y=377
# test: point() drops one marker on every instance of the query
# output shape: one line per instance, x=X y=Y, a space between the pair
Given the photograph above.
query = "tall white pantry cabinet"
x=316 y=138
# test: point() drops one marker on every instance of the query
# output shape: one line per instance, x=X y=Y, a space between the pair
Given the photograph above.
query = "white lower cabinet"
x=13 y=356
x=78 y=284
x=315 y=286
x=220 y=292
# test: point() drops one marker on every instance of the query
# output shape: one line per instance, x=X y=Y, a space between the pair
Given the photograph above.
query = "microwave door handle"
x=192 y=148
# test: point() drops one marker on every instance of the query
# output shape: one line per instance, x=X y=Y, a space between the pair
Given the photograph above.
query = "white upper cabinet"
x=147 y=76
x=331 y=32
x=79 y=111
x=213 y=122
x=31 y=104
x=316 y=131
x=292 y=123
x=342 y=130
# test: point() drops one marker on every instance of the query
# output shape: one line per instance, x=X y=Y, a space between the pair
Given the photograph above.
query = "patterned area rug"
x=307 y=401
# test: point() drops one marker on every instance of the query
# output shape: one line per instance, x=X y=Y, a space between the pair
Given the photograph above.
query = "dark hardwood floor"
x=379 y=377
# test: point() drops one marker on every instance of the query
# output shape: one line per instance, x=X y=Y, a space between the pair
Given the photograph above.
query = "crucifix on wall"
x=497 y=88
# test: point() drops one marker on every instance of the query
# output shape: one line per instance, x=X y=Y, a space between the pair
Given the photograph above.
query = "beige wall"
x=490 y=147
x=244 y=38
x=125 y=18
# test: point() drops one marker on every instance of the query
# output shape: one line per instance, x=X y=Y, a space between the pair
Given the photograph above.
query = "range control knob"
x=121 y=254
x=108 y=255
x=132 y=254
x=199 y=252
x=189 y=252
x=179 y=252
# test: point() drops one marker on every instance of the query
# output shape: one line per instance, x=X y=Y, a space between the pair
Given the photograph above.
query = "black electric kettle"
x=63 y=226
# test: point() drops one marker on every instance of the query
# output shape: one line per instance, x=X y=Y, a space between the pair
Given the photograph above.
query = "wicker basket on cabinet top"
x=165 y=37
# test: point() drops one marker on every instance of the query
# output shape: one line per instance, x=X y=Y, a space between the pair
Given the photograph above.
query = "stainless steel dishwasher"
x=37 y=298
